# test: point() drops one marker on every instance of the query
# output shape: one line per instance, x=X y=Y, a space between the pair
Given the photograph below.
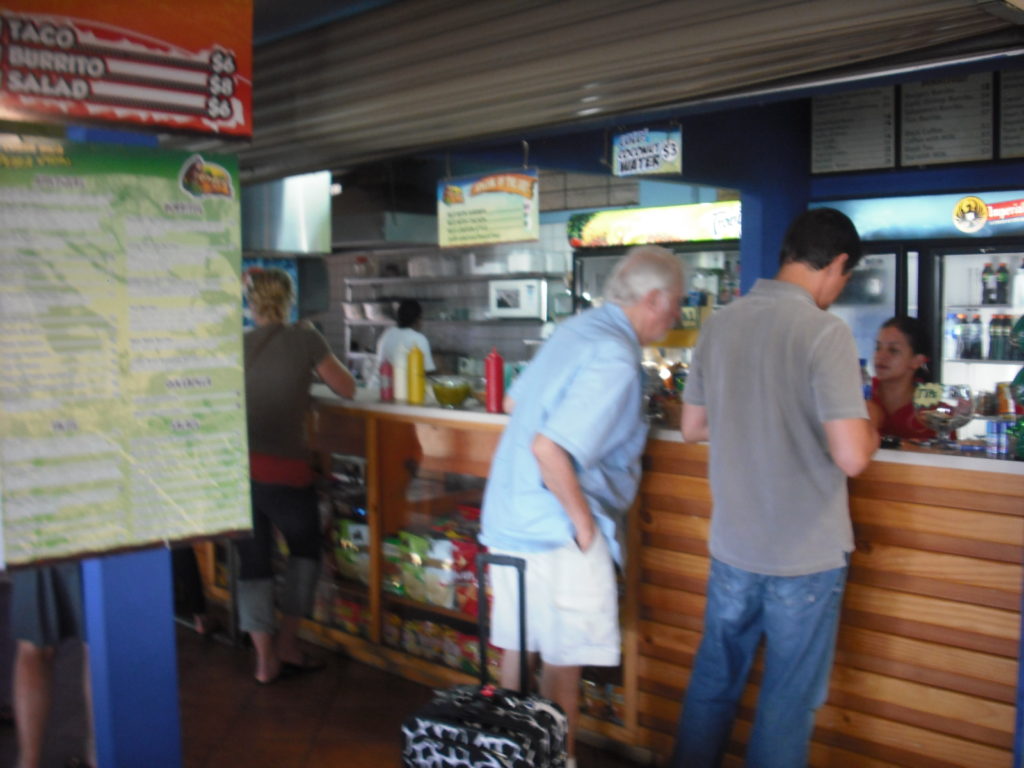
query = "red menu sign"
x=178 y=64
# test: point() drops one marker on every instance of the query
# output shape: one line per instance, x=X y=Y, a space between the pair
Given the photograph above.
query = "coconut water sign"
x=647 y=151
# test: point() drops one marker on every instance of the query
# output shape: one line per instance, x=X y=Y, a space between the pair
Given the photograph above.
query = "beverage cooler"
x=956 y=261
x=705 y=237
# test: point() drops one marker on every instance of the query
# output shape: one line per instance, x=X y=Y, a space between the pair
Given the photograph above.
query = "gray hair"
x=643 y=269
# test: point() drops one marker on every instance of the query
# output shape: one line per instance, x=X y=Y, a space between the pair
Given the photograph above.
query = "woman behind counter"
x=900 y=363
x=280 y=361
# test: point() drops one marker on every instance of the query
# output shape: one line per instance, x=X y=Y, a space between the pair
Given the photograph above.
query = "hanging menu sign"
x=647 y=152
x=184 y=65
x=489 y=208
x=853 y=131
x=1011 y=114
x=122 y=419
x=947 y=121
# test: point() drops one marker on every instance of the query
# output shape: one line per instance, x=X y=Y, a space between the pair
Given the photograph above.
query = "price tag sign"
x=927 y=395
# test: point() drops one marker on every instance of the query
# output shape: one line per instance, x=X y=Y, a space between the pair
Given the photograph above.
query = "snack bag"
x=391 y=570
x=392 y=630
x=432 y=641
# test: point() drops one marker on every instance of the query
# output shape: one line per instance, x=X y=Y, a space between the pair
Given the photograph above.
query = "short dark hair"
x=917 y=338
x=409 y=311
x=817 y=236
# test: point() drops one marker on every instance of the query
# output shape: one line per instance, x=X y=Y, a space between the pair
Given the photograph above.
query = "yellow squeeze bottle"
x=417 y=379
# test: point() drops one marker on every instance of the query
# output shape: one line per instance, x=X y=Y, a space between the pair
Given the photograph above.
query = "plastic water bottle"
x=865 y=378
x=401 y=374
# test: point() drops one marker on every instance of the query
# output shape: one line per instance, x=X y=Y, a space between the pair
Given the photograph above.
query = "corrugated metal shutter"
x=423 y=74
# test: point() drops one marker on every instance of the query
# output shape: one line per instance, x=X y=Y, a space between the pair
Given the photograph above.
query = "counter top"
x=368 y=401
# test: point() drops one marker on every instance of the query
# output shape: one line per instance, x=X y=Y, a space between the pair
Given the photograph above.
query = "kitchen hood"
x=363 y=220
x=289 y=216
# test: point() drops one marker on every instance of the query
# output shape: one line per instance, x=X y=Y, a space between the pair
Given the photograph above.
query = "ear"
x=839 y=262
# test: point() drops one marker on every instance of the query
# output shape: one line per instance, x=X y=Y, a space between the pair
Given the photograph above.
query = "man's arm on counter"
x=852 y=443
x=336 y=376
x=695 y=423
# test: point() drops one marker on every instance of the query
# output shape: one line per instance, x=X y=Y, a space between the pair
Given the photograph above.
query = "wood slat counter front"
x=926 y=665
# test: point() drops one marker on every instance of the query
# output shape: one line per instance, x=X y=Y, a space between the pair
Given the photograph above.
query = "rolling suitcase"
x=483 y=726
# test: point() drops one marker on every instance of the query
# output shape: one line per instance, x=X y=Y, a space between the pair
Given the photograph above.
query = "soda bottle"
x=1002 y=284
x=949 y=333
x=993 y=338
x=988 y=284
x=1018 y=286
x=976 y=333
x=865 y=378
x=417 y=379
x=963 y=335
x=387 y=379
x=494 y=376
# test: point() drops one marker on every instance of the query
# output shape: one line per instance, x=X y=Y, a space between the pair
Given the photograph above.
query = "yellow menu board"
x=122 y=418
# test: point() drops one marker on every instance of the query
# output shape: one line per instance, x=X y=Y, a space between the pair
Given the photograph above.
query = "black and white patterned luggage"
x=483 y=726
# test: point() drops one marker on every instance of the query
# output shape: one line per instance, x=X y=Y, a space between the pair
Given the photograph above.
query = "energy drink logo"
x=201 y=179
x=970 y=214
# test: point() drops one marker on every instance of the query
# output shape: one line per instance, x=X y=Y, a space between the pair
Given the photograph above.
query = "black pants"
x=294 y=512
x=189 y=600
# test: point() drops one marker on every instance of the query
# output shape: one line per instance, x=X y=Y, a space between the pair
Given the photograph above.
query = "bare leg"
x=268 y=665
x=510 y=669
x=90 y=733
x=562 y=686
x=288 y=648
x=33 y=674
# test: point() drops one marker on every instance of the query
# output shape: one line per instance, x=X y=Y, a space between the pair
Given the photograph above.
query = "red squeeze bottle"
x=494 y=374
x=387 y=382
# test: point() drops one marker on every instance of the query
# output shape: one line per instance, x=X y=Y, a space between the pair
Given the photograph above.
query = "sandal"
x=290 y=669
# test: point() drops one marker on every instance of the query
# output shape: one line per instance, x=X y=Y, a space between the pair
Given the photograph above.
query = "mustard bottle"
x=417 y=379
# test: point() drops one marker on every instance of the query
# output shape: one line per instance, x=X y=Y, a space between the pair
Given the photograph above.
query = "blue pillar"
x=129 y=619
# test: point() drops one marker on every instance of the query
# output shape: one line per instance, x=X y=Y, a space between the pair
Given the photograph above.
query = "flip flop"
x=289 y=669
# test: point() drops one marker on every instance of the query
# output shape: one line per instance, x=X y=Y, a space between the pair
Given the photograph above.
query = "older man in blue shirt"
x=566 y=471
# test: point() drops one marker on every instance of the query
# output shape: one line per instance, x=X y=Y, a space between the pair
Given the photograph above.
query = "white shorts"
x=572 y=607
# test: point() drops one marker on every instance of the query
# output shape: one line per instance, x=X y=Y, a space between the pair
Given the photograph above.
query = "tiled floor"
x=345 y=716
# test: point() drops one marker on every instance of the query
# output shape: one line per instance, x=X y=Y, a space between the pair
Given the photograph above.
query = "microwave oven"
x=518 y=298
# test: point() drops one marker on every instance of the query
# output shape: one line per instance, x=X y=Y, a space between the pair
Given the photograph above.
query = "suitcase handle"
x=483 y=613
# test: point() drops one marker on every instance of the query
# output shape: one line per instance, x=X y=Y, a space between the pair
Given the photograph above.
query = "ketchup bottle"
x=494 y=374
x=387 y=382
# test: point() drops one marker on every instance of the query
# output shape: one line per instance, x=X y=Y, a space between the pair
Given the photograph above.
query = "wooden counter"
x=926 y=668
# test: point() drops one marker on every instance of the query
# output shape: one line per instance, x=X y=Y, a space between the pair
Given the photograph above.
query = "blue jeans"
x=798 y=617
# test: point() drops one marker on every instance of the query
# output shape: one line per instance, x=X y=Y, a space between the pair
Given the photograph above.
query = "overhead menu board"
x=853 y=131
x=947 y=120
x=122 y=419
x=184 y=65
x=1011 y=114
x=489 y=208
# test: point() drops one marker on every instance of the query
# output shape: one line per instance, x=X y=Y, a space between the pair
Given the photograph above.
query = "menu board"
x=947 y=120
x=1011 y=114
x=489 y=208
x=853 y=131
x=122 y=419
x=184 y=65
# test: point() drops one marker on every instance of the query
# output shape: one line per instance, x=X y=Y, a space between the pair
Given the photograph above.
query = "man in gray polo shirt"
x=775 y=387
